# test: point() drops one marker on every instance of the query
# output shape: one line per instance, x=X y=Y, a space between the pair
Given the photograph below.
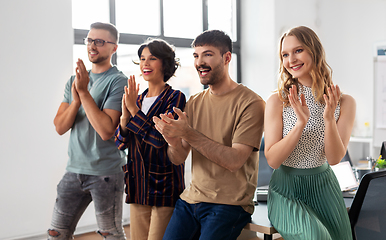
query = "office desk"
x=261 y=224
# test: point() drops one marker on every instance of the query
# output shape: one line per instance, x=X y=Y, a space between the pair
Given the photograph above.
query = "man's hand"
x=82 y=78
x=160 y=125
x=125 y=117
x=75 y=95
x=171 y=128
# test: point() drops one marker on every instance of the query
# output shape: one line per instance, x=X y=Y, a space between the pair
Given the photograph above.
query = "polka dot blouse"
x=309 y=152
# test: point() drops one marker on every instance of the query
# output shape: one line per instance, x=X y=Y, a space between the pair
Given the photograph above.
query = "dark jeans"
x=206 y=221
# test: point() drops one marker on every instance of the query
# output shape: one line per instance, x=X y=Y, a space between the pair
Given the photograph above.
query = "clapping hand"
x=131 y=94
x=300 y=106
x=129 y=99
x=75 y=95
x=171 y=129
x=82 y=79
x=331 y=100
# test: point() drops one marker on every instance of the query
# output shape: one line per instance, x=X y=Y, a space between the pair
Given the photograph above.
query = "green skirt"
x=307 y=204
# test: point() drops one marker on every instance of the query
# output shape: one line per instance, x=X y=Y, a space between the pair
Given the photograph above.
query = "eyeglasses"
x=97 y=42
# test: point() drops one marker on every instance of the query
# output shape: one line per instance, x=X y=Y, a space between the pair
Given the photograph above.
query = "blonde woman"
x=308 y=123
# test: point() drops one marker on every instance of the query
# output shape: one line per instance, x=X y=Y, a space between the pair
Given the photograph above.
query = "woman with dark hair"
x=153 y=182
x=308 y=124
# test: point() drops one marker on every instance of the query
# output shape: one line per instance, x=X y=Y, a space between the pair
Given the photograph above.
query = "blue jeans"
x=206 y=221
x=74 y=194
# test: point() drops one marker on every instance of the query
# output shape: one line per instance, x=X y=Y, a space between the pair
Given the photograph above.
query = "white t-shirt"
x=146 y=103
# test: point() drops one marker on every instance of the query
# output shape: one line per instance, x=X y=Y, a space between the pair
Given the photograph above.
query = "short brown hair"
x=108 y=27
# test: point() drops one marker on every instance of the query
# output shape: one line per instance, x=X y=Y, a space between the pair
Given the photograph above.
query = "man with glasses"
x=91 y=109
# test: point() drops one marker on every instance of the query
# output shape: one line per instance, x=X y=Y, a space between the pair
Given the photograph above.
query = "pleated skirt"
x=307 y=204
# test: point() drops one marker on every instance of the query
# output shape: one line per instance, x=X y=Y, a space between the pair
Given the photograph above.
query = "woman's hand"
x=129 y=104
x=331 y=101
x=300 y=106
x=131 y=94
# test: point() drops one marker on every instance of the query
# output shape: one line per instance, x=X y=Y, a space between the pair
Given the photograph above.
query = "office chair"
x=368 y=210
x=265 y=171
x=383 y=150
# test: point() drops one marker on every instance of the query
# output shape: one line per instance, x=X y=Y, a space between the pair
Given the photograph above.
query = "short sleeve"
x=114 y=99
x=251 y=124
x=67 y=91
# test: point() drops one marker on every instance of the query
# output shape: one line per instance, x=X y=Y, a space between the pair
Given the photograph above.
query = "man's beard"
x=214 y=77
x=97 y=60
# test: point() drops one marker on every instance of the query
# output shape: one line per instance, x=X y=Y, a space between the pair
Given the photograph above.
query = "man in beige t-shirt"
x=223 y=126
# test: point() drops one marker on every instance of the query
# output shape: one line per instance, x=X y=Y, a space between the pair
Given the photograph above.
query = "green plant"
x=381 y=163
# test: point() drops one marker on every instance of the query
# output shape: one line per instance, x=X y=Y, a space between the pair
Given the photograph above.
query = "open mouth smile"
x=93 y=53
x=297 y=67
x=203 y=71
x=147 y=71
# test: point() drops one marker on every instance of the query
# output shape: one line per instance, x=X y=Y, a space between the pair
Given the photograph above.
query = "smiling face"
x=151 y=67
x=210 y=64
x=100 y=55
x=296 y=60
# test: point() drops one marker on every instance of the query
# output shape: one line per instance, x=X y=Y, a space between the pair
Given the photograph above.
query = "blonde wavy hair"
x=320 y=72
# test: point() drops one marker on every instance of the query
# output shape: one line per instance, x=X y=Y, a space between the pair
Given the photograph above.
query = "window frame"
x=127 y=38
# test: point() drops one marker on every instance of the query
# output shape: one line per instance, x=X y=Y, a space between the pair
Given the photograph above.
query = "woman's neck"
x=155 y=89
x=305 y=82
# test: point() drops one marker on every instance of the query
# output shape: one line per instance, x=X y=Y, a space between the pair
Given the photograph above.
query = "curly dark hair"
x=164 y=51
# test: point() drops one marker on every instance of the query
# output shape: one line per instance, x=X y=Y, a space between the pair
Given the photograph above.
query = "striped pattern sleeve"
x=143 y=125
x=120 y=141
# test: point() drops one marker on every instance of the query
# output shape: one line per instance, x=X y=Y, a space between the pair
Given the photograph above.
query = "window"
x=222 y=15
x=178 y=22
x=86 y=12
x=182 y=18
x=136 y=17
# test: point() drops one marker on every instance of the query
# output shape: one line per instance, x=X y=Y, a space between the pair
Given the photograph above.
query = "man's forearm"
x=101 y=122
x=227 y=157
x=65 y=117
x=178 y=155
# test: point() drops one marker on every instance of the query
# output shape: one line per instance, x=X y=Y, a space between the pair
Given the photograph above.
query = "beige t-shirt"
x=236 y=117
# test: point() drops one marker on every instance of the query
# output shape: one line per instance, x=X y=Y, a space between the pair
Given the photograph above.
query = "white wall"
x=349 y=32
x=258 y=46
x=36 y=61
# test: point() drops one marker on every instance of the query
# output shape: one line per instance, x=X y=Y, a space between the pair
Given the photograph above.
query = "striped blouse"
x=151 y=179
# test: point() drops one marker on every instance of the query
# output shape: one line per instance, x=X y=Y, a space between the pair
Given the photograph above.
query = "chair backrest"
x=265 y=171
x=368 y=210
x=383 y=150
